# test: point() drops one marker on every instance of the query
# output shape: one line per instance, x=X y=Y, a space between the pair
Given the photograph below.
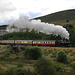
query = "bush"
x=72 y=72
x=1 y=58
x=58 y=67
x=23 y=72
x=2 y=68
x=73 y=65
x=20 y=65
x=73 y=68
x=1 y=73
x=54 y=54
x=62 y=57
x=18 y=71
x=32 y=53
x=9 y=72
x=44 y=67
x=7 y=54
x=16 y=58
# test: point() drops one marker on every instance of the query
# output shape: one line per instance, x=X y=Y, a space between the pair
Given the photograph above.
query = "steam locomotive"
x=52 y=43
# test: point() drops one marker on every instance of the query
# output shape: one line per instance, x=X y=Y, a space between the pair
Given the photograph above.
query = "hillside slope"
x=61 y=18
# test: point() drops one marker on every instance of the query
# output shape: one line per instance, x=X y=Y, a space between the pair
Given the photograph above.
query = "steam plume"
x=24 y=22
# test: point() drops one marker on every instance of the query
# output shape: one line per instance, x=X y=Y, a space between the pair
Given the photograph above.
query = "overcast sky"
x=13 y=9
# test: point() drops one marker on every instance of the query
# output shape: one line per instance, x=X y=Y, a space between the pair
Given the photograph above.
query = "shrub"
x=20 y=65
x=44 y=67
x=2 y=68
x=9 y=72
x=16 y=58
x=18 y=71
x=73 y=65
x=72 y=72
x=54 y=54
x=32 y=53
x=62 y=57
x=74 y=59
x=1 y=58
x=73 y=68
x=49 y=51
x=1 y=73
x=45 y=53
x=7 y=54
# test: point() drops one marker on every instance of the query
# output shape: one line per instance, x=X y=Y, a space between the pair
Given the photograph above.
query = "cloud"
x=6 y=10
x=12 y=9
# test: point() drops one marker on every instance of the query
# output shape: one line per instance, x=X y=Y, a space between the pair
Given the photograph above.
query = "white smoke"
x=25 y=22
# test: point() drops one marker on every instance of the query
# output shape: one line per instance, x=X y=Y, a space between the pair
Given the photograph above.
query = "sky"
x=13 y=9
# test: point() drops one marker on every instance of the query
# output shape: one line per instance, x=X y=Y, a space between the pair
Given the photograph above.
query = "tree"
x=32 y=53
x=61 y=57
x=44 y=67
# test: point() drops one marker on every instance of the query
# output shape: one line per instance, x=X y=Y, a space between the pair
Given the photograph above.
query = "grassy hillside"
x=61 y=18
x=12 y=60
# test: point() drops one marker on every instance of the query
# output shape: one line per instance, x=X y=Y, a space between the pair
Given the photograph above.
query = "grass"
x=60 y=18
x=63 y=22
x=2 y=68
x=49 y=52
x=3 y=48
x=54 y=50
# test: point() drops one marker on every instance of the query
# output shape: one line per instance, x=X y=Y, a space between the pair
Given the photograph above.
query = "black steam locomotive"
x=52 y=43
